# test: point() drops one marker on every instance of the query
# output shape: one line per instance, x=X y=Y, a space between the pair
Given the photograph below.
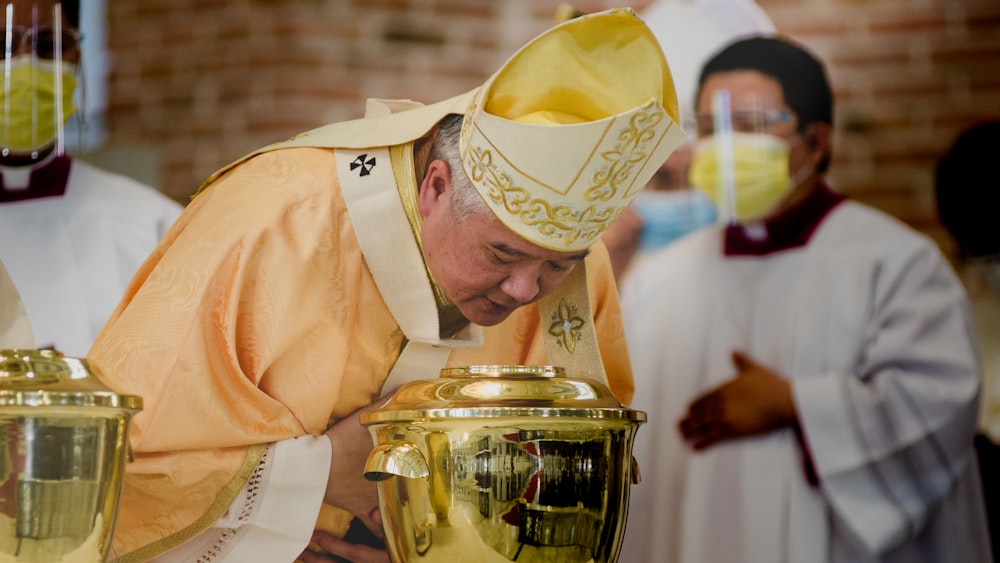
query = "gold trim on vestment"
x=404 y=168
x=406 y=183
x=255 y=453
x=571 y=337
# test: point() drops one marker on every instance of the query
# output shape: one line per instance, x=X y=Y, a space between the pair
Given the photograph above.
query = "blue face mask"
x=669 y=215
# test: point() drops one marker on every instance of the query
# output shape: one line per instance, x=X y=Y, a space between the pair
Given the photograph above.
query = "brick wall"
x=201 y=83
x=204 y=82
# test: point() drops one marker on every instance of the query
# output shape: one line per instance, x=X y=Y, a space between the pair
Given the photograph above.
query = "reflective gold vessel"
x=503 y=463
x=63 y=449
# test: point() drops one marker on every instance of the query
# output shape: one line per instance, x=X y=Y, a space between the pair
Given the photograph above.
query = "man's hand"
x=756 y=401
x=341 y=550
x=347 y=487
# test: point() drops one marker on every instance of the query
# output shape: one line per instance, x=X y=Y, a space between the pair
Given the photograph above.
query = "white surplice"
x=873 y=330
x=71 y=256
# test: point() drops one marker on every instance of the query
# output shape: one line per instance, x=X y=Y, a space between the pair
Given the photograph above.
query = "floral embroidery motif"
x=566 y=326
x=628 y=152
x=567 y=221
x=556 y=221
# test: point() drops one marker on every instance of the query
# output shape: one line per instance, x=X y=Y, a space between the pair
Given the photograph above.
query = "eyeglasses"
x=42 y=41
x=745 y=121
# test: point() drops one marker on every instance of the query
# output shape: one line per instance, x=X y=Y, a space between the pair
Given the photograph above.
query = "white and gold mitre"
x=570 y=129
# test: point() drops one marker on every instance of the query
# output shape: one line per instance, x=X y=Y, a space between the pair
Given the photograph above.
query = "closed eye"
x=500 y=260
x=557 y=267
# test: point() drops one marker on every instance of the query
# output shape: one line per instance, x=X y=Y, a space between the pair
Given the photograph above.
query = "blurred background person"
x=71 y=235
x=968 y=198
x=666 y=210
x=689 y=31
x=808 y=367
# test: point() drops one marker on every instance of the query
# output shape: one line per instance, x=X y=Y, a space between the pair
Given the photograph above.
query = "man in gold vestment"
x=313 y=276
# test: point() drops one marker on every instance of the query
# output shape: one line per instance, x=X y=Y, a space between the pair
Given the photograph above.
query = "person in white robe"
x=71 y=235
x=72 y=255
x=808 y=366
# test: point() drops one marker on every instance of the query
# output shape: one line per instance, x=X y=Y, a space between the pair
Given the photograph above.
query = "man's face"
x=757 y=105
x=482 y=266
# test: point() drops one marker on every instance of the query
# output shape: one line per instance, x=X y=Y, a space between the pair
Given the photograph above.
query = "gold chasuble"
x=292 y=290
x=204 y=315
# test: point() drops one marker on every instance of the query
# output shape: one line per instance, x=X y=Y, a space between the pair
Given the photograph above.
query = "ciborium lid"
x=502 y=390
x=37 y=378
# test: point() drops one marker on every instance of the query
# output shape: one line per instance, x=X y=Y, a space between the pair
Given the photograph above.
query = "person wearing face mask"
x=666 y=210
x=968 y=197
x=71 y=235
x=809 y=364
x=671 y=213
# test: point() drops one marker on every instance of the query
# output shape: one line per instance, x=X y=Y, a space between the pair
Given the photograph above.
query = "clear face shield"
x=39 y=79
x=741 y=160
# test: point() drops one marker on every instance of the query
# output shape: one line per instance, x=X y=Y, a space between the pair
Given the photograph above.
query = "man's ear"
x=435 y=188
x=819 y=140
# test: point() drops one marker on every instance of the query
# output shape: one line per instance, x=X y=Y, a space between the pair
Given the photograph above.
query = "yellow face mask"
x=28 y=105
x=760 y=174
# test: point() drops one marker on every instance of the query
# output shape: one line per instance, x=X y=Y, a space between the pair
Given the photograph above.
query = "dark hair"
x=71 y=10
x=968 y=191
x=802 y=76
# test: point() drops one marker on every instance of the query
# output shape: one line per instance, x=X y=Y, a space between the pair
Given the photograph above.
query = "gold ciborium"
x=503 y=463
x=63 y=449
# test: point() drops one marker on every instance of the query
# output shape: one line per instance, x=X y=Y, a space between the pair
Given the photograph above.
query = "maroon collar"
x=48 y=180
x=792 y=228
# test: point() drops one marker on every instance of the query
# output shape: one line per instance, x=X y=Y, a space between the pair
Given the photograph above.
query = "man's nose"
x=522 y=285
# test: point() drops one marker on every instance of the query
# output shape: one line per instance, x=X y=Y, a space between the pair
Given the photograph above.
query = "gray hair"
x=465 y=200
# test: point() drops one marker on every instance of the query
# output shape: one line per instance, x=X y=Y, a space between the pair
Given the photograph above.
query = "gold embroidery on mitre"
x=630 y=152
x=556 y=221
x=567 y=326
x=566 y=221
